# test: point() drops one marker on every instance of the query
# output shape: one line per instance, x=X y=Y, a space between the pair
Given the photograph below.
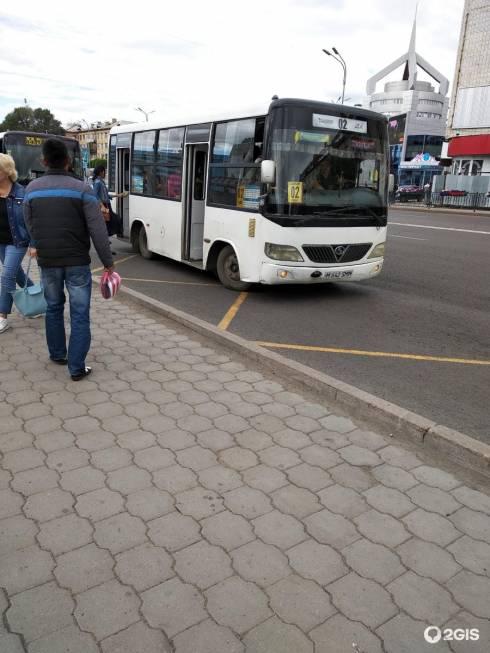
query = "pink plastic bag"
x=109 y=284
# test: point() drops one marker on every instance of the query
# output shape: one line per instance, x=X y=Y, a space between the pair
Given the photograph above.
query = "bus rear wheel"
x=143 y=244
x=229 y=270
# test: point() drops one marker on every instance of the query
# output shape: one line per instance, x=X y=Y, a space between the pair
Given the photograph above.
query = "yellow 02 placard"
x=295 y=192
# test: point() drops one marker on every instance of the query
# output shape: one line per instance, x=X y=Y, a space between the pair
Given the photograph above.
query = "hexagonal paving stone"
x=422 y=598
x=174 y=531
x=70 y=639
x=227 y=530
x=39 y=611
x=203 y=564
x=107 y=609
x=362 y=600
x=329 y=528
x=317 y=561
x=238 y=604
x=26 y=568
x=220 y=479
x=300 y=602
x=99 y=504
x=428 y=559
x=247 y=502
x=260 y=563
x=149 y=503
x=84 y=568
x=211 y=638
x=339 y=634
x=296 y=501
x=471 y=592
x=198 y=502
x=373 y=561
x=120 y=532
x=173 y=606
x=284 y=531
x=65 y=534
x=49 y=504
x=274 y=636
x=138 y=638
x=144 y=566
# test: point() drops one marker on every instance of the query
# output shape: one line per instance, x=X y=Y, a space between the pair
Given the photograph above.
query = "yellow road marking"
x=232 y=311
x=122 y=260
x=183 y=283
x=382 y=354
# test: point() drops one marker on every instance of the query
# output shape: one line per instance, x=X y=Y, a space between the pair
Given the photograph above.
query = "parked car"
x=453 y=193
x=408 y=193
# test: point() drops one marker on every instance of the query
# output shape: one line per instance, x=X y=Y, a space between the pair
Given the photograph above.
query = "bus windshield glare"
x=327 y=166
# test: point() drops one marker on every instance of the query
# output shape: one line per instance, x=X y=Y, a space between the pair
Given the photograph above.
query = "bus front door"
x=123 y=185
x=195 y=194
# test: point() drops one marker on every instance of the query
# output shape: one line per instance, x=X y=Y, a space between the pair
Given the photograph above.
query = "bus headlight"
x=282 y=252
x=378 y=251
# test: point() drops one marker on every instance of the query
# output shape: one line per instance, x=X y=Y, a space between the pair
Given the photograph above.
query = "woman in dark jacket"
x=100 y=189
x=14 y=237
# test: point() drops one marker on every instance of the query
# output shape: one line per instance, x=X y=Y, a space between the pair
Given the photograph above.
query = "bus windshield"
x=25 y=149
x=327 y=166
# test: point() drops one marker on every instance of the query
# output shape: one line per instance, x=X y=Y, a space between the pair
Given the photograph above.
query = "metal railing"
x=447 y=199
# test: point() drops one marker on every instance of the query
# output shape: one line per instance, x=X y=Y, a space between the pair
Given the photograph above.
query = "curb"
x=392 y=419
x=437 y=209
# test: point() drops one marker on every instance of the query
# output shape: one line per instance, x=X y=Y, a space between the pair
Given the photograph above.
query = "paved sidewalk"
x=180 y=500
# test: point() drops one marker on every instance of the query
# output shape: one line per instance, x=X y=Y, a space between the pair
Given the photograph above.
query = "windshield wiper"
x=342 y=210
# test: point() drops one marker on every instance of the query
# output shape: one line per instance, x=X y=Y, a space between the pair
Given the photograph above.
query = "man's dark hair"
x=55 y=153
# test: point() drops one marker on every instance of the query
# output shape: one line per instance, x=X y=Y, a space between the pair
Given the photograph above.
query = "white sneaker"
x=4 y=325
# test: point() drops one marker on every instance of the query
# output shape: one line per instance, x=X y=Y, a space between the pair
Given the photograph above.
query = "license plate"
x=343 y=274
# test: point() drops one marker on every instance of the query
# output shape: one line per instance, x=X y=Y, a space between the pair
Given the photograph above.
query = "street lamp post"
x=145 y=113
x=341 y=61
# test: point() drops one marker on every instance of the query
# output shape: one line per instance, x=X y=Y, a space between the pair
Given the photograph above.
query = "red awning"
x=469 y=145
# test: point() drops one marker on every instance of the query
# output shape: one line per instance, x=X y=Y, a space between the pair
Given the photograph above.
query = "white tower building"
x=418 y=108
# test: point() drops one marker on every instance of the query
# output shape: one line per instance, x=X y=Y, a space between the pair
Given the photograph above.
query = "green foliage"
x=97 y=162
x=35 y=120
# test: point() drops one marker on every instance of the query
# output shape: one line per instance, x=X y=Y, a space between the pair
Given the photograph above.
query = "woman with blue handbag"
x=14 y=237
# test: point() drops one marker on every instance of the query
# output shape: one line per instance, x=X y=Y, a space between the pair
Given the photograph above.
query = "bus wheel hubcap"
x=232 y=269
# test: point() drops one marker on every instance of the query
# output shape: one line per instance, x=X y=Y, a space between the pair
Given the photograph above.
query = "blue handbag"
x=29 y=300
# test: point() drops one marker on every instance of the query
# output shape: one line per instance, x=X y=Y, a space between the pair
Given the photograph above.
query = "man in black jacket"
x=62 y=214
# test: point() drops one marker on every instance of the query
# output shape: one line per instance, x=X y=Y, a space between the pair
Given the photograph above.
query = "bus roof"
x=182 y=120
x=22 y=132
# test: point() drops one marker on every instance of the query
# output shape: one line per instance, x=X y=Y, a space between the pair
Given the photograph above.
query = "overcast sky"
x=100 y=60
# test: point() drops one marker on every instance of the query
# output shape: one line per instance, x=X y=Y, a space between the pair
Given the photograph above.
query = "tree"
x=35 y=120
x=97 y=162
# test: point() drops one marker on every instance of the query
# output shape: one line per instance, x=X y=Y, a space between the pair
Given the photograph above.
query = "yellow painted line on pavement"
x=122 y=260
x=182 y=283
x=380 y=354
x=232 y=311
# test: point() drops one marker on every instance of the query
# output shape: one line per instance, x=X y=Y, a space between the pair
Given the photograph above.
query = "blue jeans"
x=78 y=282
x=11 y=257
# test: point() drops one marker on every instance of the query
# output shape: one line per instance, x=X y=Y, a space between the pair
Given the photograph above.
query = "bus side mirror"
x=267 y=172
x=391 y=183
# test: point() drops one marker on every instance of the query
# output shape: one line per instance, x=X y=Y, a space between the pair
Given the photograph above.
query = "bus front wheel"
x=143 y=244
x=229 y=271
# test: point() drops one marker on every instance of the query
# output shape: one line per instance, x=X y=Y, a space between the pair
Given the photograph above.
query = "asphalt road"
x=432 y=301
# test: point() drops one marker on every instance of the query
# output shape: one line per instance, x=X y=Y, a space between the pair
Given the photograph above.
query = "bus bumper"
x=272 y=273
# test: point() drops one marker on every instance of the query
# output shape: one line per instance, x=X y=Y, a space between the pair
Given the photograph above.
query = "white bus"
x=296 y=193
